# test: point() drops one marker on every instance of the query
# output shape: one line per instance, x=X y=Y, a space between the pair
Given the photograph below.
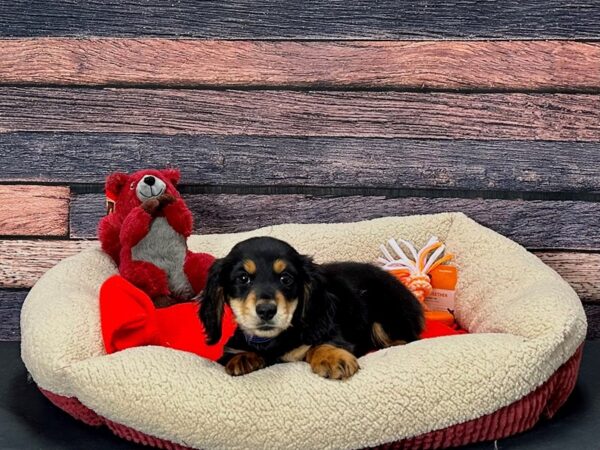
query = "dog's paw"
x=244 y=363
x=151 y=205
x=164 y=200
x=332 y=362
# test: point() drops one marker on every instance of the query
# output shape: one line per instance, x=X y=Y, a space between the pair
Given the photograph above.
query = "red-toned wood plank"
x=22 y=262
x=581 y=270
x=34 y=210
x=292 y=113
x=530 y=65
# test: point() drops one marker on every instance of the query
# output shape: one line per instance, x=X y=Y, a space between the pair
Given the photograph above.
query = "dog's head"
x=266 y=283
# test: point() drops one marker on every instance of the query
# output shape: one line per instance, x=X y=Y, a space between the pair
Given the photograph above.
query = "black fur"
x=337 y=303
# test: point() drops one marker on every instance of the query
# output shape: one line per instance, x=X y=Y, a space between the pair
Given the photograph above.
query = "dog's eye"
x=286 y=279
x=132 y=186
x=243 y=278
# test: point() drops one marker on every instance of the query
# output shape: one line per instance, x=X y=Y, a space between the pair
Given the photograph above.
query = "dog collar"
x=257 y=340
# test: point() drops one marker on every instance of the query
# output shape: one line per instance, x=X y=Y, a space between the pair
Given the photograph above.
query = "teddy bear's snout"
x=150 y=187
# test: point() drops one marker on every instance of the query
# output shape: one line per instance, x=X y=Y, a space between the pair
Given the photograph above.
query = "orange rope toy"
x=414 y=272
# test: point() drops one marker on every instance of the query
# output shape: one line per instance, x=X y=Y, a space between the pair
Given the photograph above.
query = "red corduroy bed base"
x=514 y=418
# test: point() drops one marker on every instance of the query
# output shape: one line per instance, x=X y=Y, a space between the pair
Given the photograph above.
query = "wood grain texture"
x=534 y=224
x=579 y=269
x=339 y=162
x=34 y=210
x=321 y=19
x=11 y=301
x=447 y=65
x=22 y=262
x=592 y=312
x=291 y=113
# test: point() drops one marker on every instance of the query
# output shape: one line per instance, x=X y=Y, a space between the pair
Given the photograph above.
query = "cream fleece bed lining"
x=526 y=322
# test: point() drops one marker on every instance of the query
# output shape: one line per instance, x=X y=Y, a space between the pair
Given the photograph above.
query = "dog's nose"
x=266 y=311
x=150 y=180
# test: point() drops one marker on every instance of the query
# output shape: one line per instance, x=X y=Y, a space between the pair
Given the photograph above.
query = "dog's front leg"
x=242 y=363
x=333 y=362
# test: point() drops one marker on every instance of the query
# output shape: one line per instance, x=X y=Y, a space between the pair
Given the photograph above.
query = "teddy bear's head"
x=126 y=191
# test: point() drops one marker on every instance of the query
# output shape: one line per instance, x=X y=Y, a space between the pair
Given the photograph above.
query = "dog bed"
x=518 y=363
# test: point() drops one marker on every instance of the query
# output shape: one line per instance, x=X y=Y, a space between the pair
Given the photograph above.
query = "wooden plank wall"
x=321 y=111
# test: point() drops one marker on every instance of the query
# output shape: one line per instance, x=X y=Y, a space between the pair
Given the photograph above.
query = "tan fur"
x=330 y=361
x=381 y=338
x=298 y=354
x=244 y=363
x=279 y=265
x=250 y=266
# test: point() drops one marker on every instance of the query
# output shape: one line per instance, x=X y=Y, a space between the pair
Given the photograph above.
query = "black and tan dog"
x=290 y=309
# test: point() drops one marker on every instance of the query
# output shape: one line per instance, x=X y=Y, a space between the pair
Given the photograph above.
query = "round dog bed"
x=518 y=363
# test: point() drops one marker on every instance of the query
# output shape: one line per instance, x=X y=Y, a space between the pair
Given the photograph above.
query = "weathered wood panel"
x=11 y=301
x=592 y=311
x=322 y=19
x=520 y=65
x=581 y=270
x=340 y=162
x=292 y=113
x=22 y=262
x=535 y=224
x=34 y=210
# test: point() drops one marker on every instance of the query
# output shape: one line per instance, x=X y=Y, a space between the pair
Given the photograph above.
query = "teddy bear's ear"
x=114 y=183
x=172 y=175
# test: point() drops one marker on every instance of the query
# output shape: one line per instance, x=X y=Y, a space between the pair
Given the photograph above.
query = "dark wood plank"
x=592 y=311
x=291 y=113
x=579 y=269
x=11 y=301
x=339 y=162
x=34 y=210
x=534 y=224
x=322 y=19
x=516 y=65
x=23 y=261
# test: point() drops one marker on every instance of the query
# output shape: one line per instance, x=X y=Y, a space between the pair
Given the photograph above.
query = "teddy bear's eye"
x=132 y=186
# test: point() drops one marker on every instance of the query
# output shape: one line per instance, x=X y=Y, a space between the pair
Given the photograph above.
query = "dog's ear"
x=318 y=304
x=213 y=303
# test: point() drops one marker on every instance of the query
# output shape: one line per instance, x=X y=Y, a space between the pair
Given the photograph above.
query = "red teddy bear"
x=146 y=232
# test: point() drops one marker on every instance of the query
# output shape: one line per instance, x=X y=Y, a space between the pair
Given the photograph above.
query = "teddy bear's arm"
x=146 y=276
x=108 y=233
x=179 y=217
x=135 y=226
x=196 y=267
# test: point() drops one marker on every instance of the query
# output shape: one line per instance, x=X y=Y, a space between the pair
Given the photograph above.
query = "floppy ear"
x=114 y=183
x=213 y=304
x=172 y=175
x=318 y=303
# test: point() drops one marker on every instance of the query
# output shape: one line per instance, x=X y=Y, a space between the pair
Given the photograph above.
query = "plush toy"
x=128 y=318
x=425 y=274
x=145 y=231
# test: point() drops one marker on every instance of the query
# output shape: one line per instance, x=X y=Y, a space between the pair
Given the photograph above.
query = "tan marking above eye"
x=250 y=266
x=279 y=265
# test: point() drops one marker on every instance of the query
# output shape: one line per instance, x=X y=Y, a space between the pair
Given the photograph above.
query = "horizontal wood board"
x=442 y=65
x=535 y=224
x=289 y=19
x=289 y=113
x=34 y=210
x=528 y=166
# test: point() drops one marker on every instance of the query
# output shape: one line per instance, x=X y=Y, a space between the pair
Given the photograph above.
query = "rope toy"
x=414 y=273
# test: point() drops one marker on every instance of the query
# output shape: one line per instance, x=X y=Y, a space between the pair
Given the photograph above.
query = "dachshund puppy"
x=290 y=309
